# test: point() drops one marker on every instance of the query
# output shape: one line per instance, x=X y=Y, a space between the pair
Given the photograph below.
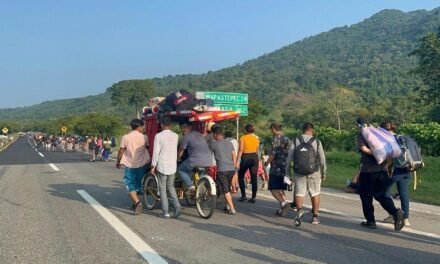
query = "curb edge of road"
x=10 y=143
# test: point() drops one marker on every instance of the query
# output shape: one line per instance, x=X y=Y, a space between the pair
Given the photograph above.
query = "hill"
x=370 y=57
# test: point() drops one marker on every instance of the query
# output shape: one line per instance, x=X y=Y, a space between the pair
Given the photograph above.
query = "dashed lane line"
x=55 y=168
x=134 y=240
x=41 y=154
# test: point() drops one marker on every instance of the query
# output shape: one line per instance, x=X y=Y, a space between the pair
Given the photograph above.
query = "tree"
x=339 y=100
x=428 y=68
x=98 y=124
x=132 y=92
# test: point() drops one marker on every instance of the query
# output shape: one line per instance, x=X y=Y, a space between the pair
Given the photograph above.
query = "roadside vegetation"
x=343 y=165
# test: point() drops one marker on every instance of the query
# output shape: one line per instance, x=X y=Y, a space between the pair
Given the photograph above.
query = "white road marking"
x=39 y=153
x=134 y=240
x=356 y=219
x=55 y=168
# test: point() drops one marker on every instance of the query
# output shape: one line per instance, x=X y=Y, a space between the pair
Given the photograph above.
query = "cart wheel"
x=151 y=192
x=205 y=202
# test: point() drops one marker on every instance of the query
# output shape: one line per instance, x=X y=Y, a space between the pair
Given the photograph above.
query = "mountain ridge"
x=370 y=57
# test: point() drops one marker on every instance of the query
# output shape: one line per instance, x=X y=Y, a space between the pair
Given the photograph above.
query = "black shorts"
x=276 y=183
x=224 y=181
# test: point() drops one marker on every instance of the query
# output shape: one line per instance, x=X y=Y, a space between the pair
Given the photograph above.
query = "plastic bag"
x=382 y=143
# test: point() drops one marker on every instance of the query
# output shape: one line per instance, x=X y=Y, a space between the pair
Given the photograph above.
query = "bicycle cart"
x=205 y=195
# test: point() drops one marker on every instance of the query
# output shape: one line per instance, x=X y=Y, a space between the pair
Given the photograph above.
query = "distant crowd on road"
x=95 y=146
x=234 y=159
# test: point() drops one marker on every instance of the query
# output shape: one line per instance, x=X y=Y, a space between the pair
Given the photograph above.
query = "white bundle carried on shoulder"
x=382 y=143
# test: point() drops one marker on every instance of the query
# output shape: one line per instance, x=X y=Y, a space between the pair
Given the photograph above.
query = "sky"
x=64 y=49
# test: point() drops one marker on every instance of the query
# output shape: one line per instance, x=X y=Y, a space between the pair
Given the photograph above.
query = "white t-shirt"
x=165 y=152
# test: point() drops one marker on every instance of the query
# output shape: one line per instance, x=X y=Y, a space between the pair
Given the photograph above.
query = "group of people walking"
x=99 y=147
x=234 y=159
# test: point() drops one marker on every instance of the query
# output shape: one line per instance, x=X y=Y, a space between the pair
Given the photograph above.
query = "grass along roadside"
x=343 y=165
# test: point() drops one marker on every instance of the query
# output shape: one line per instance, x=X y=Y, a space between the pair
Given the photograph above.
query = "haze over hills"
x=370 y=57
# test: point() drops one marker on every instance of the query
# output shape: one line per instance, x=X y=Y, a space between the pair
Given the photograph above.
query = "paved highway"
x=59 y=208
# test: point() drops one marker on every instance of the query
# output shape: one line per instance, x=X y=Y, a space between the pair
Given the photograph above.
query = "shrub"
x=427 y=137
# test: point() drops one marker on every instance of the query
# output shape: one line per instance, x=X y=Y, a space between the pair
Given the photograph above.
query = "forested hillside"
x=370 y=58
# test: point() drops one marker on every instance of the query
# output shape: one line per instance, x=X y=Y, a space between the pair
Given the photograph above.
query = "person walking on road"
x=106 y=144
x=99 y=147
x=310 y=170
x=133 y=154
x=278 y=154
x=248 y=157
x=164 y=165
x=92 y=145
x=234 y=142
x=402 y=178
x=226 y=160
x=373 y=179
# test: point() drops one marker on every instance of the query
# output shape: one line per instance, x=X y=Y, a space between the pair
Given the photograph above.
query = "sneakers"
x=242 y=199
x=285 y=209
x=177 y=211
x=315 y=220
x=137 y=208
x=293 y=206
x=263 y=187
x=298 y=218
x=398 y=220
x=406 y=222
x=231 y=211
x=389 y=219
x=371 y=225
x=165 y=215
x=252 y=201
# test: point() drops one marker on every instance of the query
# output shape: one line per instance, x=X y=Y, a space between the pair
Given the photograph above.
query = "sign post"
x=64 y=130
x=237 y=102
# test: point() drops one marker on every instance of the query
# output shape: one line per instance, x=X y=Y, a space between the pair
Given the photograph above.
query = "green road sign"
x=224 y=98
x=242 y=109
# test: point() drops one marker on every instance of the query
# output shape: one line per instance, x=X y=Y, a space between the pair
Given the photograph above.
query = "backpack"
x=113 y=144
x=411 y=156
x=306 y=159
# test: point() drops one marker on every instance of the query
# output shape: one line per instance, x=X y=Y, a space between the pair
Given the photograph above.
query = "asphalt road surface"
x=59 y=208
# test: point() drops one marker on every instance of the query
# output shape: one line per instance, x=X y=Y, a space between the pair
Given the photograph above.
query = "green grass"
x=343 y=165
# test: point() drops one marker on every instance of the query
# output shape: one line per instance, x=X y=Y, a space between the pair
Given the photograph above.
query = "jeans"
x=184 y=170
x=375 y=185
x=402 y=182
x=166 y=183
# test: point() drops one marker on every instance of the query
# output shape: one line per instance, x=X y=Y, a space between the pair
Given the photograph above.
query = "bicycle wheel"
x=151 y=192
x=205 y=201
